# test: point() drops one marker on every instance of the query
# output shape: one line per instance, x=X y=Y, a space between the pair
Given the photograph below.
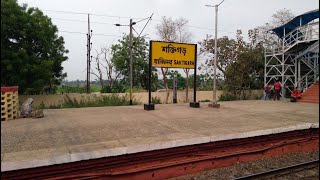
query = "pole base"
x=213 y=105
x=174 y=101
x=195 y=104
x=148 y=107
x=131 y=102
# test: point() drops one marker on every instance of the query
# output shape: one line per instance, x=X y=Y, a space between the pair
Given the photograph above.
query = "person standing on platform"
x=271 y=91
x=277 y=88
x=267 y=91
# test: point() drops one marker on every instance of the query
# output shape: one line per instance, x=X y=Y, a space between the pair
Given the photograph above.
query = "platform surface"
x=68 y=135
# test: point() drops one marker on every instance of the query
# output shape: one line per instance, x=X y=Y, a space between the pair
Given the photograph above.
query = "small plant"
x=155 y=100
x=54 y=107
x=227 y=97
x=41 y=106
x=257 y=97
x=206 y=100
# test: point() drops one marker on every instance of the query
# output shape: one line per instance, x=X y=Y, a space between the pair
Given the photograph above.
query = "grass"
x=95 y=88
x=101 y=101
x=228 y=97
x=206 y=100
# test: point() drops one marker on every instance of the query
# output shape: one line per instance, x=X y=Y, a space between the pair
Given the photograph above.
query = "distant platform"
x=69 y=135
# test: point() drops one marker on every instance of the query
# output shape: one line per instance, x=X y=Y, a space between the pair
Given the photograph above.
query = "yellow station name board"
x=173 y=55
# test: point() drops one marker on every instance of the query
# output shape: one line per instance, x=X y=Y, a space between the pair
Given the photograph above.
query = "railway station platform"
x=76 y=135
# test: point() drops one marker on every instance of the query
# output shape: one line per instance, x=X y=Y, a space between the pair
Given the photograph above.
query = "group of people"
x=273 y=92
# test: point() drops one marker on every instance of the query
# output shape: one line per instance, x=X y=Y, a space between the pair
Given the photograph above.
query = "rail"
x=282 y=171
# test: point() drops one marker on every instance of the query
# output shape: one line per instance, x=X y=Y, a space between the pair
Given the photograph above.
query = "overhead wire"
x=93 y=14
x=113 y=16
x=149 y=19
x=75 y=20
x=135 y=30
x=75 y=32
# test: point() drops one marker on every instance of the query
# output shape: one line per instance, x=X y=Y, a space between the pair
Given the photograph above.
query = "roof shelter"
x=298 y=21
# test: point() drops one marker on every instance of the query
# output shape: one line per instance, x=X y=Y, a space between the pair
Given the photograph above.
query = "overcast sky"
x=233 y=15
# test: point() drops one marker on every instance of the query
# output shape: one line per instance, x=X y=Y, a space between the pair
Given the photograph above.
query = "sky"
x=232 y=15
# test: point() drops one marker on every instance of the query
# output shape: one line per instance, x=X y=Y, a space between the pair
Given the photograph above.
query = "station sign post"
x=172 y=55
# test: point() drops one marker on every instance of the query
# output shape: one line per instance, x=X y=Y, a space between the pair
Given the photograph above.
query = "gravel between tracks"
x=261 y=165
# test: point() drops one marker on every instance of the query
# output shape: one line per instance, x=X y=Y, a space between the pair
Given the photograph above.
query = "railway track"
x=282 y=171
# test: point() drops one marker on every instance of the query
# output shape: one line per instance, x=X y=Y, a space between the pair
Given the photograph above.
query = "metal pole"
x=130 y=48
x=195 y=77
x=296 y=73
x=149 y=106
x=282 y=64
x=265 y=68
x=149 y=80
x=315 y=70
x=88 y=56
x=175 y=84
x=306 y=82
x=214 y=101
x=299 y=74
x=87 y=84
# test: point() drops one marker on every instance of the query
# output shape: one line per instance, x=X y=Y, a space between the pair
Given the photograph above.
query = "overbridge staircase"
x=311 y=95
x=294 y=58
x=304 y=43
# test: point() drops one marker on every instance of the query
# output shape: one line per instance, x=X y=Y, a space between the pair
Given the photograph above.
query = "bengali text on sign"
x=173 y=55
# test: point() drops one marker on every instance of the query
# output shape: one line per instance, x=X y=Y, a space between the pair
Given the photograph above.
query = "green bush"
x=110 y=100
x=206 y=100
x=155 y=100
x=227 y=97
x=106 y=89
x=257 y=97
x=41 y=106
x=117 y=87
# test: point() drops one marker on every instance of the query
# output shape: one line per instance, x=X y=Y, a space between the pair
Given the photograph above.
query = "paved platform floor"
x=67 y=135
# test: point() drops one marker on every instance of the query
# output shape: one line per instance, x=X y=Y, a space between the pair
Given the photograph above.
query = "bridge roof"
x=295 y=22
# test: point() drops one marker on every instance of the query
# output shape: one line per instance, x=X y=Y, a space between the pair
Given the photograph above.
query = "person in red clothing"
x=267 y=91
x=295 y=95
x=277 y=88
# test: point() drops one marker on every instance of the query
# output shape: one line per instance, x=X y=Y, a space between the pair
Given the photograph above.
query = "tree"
x=280 y=18
x=244 y=73
x=167 y=32
x=184 y=36
x=174 y=31
x=181 y=81
x=121 y=62
x=31 y=50
x=104 y=65
x=247 y=71
x=228 y=52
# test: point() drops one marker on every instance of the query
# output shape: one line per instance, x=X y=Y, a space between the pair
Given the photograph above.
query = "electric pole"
x=130 y=52
x=214 y=99
x=89 y=35
x=215 y=58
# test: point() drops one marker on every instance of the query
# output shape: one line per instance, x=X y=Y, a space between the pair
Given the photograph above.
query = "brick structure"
x=9 y=103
